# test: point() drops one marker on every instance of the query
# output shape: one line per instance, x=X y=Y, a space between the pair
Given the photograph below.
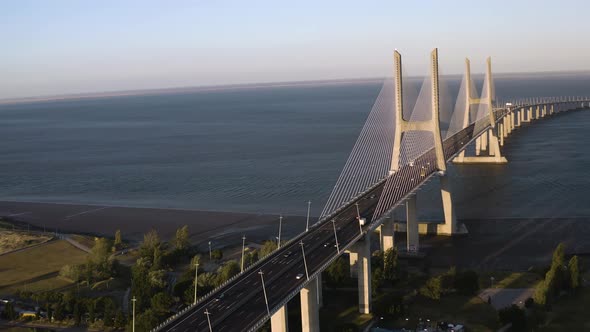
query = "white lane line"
x=84 y=212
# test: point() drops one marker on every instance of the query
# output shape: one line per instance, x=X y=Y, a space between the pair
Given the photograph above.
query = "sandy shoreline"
x=516 y=243
x=222 y=228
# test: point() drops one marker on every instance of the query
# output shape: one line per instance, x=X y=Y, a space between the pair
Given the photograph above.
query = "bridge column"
x=501 y=133
x=529 y=114
x=387 y=234
x=484 y=142
x=310 y=314
x=512 y=121
x=353 y=258
x=518 y=118
x=537 y=112
x=279 y=322
x=363 y=247
x=544 y=111
x=412 y=243
x=478 y=146
x=450 y=226
x=320 y=290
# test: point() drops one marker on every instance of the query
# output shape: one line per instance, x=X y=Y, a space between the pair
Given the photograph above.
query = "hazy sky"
x=61 y=47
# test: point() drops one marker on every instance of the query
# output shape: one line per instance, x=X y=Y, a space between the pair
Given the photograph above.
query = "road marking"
x=84 y=212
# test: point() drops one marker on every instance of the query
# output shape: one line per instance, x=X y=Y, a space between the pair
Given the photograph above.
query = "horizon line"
x=239 y=86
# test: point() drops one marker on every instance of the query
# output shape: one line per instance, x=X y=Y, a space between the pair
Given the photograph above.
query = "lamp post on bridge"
x=133 y=301
x=210 y=250
x=196 y=279
x=336 y=236
x=243 y=250
x=304 y=260
x=264 y=291
x=207 y=313
x=308 y=209
x=280 y=226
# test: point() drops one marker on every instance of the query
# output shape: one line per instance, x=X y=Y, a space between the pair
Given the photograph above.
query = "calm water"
x=267 y=150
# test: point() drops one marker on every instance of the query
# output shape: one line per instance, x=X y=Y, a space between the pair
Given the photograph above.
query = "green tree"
x=151 y=240
x=433 y=288
x=144 y=322
x=574 y=272
x=390 y=264
x=376 y=280
x=338 y=272
x=558 y=256
x=181 y=241
x=109 y=312
x=161 y=303
x=513 y=315
x=228 y=270
x=467 y=282
x=157 y=279
x=9 y=312
x=216 y=254
x=118 y=241
x=141 y=286
x=119 y=320
x=250 y=257
x=267 y=248
x=157 y=259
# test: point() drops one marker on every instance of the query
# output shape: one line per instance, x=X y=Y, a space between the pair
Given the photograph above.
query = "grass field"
x=37 y=268
x=12 y=240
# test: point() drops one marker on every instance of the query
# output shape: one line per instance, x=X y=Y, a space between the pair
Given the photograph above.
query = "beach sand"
x=492 y=244
x=222 y=228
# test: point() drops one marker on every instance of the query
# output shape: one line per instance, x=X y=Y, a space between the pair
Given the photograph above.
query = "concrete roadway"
x=240 y=304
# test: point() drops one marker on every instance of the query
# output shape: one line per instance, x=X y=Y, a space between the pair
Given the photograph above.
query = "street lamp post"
x=280 y=226
x=264 y=291
x=336 y=236
x=308 y=209
x=196 y=279
x=243 y=250
x=133 y=326
x=304 y=260
x=207 y=313
x=210 y=251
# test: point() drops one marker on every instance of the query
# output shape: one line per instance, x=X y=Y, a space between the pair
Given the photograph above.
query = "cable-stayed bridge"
x=408 y=139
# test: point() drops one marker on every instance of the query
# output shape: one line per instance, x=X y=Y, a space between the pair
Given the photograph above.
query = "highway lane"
x=240 y=305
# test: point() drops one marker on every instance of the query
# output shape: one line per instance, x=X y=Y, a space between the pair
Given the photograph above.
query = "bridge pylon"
x=432 y=125
x=488 y=141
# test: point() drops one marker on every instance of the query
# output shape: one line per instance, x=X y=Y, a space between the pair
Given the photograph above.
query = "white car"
x=299 y=276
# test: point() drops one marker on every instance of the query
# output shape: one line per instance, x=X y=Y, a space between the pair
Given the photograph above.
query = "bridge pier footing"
x=279 y=322
x=412 y=233
x=310 y=315
x=353 y=258
x=387 y=234
x=363 y=248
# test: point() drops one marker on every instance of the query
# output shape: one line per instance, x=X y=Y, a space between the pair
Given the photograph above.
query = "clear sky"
x=61 y=47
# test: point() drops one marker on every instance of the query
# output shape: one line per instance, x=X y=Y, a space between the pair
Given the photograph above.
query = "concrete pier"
x=412 y=243
x=310 y=315
x=279 y=322
x=363 y=248
x=387 y=234
x=353 y=258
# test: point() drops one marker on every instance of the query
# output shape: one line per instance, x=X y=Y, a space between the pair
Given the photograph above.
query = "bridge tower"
x=489 y=139
x=432 y=125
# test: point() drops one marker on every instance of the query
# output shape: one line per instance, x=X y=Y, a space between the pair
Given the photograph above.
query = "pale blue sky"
x=62 y=47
